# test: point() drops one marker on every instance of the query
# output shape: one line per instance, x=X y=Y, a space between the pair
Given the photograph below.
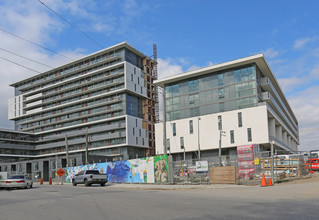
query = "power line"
x=20 y=65
x=35 y=44
x=87 y=36
x=26 y=58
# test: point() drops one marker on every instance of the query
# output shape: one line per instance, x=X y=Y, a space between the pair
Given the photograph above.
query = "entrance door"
x=45 y=170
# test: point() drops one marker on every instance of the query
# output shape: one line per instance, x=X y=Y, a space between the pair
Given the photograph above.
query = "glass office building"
x=241 y=97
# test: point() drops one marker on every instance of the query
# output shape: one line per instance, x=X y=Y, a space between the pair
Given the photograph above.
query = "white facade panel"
x=254 y=118
x=134 y=79
x=15 y=107
x=135 y=133
x=34 y=96
x=34 y=110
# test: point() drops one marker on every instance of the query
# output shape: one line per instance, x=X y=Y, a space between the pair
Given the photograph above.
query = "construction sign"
x=60 y=172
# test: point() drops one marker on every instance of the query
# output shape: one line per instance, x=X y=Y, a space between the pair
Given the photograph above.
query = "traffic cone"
x=269 y=182
x=263 y=181
x=50 y=181
x=41 y=181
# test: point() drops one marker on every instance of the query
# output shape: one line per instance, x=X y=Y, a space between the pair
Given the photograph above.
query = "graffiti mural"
x=142 y=170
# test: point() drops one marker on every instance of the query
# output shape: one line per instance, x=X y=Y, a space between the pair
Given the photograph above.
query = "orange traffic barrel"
x=41 y=181
x=50 y=181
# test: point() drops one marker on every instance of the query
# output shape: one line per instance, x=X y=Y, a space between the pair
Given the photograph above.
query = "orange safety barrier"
x=269 y=182
x=263 y=181
x=50 y=181
x=41 y=181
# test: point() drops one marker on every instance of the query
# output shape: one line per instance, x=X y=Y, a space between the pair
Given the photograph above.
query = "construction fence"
x=233 y=170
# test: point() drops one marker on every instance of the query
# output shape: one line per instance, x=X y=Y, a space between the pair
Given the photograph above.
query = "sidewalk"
x=141 y=186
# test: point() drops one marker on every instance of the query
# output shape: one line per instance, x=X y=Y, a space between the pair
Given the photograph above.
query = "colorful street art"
x=142 y=170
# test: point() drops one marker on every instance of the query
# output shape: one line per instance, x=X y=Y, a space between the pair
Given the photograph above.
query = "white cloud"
x=270 y=53
x=289 y=84
x=168 y=68
x=30 y=21
x=301 y=43
x=193 y=67
x=210 y=63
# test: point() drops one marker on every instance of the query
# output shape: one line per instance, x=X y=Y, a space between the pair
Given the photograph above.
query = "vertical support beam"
x=279 y=132
x=86 y=146
x=272 y=127
x=170 y=169
x=164 y=123
x=198 y=119
x=67 y=150
x=272 y=161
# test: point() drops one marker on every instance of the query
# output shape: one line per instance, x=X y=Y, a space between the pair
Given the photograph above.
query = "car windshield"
x=92 y=172
x=16 y=177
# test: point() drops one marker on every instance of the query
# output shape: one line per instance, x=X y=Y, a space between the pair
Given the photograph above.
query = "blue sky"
x=189 y=34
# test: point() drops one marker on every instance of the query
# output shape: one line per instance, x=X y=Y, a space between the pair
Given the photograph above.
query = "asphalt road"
x=286 y=201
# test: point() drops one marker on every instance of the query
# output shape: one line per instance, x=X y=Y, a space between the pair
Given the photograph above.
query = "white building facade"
x=238 y=103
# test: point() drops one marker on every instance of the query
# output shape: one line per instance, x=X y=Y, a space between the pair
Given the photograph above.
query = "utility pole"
x=272 y=161
x=86 y=146
x=198 y=119
x=164 y=123
x=67 y=150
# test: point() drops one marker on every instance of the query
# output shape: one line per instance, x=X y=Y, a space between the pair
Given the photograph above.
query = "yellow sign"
x=256 y=161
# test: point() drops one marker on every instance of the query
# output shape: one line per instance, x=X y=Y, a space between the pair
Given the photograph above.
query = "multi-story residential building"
x=236 y=103
x=104 y=102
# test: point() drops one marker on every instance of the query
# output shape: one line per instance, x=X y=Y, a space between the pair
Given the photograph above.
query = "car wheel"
x=31 y=186
x=103 y=184
x=74 y=183
x=86 y=182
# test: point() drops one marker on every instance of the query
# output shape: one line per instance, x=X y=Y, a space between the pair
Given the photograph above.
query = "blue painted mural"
x=142 y=170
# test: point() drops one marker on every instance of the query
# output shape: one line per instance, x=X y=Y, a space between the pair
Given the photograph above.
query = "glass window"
x=244 y=75
x=220 y=122
x=193 y=100
x=174 y=129
x=249 y=134
x=191 y=126
x=240 y=120
x=182 y=142
x=221 y=106
x=168 y=144
x=232 y=138
x=175 y=90
x=194 y=112
x=168 y=91
x=237 y=76
x=193 y=86
x=220 y=79
x=221 y=93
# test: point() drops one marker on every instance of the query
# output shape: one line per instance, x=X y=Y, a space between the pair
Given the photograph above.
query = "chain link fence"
x=227 y=169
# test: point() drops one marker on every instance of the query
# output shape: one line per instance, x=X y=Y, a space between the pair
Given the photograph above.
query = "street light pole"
x=67 y=150
x=86 y=146
x=220 y=148
x=272 y=160
x=198 y=138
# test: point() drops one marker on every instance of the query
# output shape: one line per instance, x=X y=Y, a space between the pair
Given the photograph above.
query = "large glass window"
x=193 y=100
x=193 y=86
x=220 y=79
x=194 y=112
